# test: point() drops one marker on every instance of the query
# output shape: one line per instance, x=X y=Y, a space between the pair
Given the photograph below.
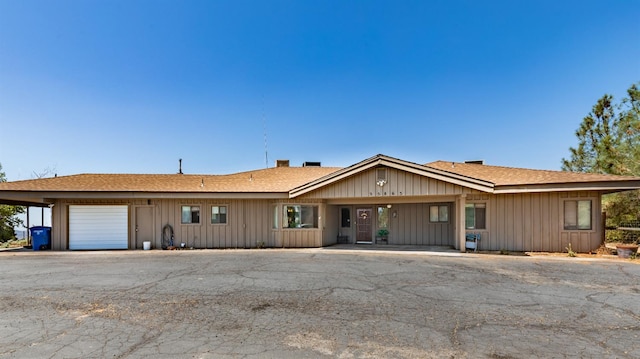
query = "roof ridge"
x=496 y=166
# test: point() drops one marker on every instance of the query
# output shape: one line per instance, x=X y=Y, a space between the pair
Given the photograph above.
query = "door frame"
x=370 y=210
x=134 y=225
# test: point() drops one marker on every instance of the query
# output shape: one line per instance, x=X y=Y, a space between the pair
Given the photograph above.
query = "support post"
x=28 y=230
x=460 y=228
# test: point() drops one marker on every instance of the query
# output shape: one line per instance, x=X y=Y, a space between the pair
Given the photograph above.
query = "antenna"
x=264 y=128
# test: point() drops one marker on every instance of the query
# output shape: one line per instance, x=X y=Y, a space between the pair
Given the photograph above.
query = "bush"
x=14 y=243
x=621 y=236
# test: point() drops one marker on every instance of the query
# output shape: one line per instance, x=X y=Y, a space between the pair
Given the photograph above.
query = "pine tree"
x=609 y=142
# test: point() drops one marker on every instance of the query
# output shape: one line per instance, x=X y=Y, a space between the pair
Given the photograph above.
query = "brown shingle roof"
x=277 y=179
x=510 y=176
x=285 y=179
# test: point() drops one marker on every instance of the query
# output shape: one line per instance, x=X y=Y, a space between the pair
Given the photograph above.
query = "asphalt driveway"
x=315 y=303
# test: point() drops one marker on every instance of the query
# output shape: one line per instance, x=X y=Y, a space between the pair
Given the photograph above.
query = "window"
x=219 y=215
x=345 y=217
x=190 y=214
x=577 y=215
x=475 y=216
x=381 y=174
x=383 y=217
x=439 y=213
x=297 y=216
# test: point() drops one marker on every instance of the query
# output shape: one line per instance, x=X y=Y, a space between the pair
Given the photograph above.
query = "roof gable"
x=386 y=161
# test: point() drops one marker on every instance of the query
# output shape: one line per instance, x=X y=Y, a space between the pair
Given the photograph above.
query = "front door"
x=144 y=225
x=364 y=228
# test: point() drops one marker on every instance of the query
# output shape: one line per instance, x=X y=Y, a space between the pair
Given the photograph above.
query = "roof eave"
x=603 y=186
x=35 y=198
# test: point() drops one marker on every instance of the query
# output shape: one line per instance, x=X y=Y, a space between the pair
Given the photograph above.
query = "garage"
x=98 y=227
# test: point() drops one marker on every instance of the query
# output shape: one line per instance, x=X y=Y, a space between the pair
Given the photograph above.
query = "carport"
x=28 y=204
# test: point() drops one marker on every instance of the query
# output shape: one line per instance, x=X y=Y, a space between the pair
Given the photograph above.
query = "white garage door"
x=98 y=227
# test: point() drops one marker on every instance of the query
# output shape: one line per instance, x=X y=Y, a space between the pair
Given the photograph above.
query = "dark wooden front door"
x=364 y=225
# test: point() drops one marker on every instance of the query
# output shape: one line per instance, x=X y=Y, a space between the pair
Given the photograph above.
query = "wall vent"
x=282 y=163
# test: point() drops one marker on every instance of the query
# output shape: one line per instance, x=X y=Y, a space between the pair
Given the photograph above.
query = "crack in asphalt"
x=292 y=303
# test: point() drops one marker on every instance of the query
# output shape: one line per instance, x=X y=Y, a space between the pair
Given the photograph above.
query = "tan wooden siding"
x=249 y=223
x=59 y=226
x=534 y=222
x=399 y=184
x=302 y=237
x=515 y=222
x=332 y=224
x=411 y=226
x=233 y=234
x=60 y=219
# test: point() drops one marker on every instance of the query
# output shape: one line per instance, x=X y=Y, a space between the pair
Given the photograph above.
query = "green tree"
x=629 y=128
x=609 y=137
x=609 y=143
x=8 y=216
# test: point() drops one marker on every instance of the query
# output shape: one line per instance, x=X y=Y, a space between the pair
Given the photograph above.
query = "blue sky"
x=132 y=86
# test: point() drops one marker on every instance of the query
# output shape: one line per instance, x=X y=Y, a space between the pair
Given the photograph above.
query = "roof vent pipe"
x=180 y=166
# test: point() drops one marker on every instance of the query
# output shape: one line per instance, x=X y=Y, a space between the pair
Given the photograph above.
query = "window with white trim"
x=577 y=215
x=475 y=216
x=439 y=213
x=218 y=214
x=300 y=216
x=190 y=215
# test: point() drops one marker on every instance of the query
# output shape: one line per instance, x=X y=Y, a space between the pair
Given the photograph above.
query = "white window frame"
x=476 y=205
x=220 y=213
x=191 y=207
x=301 y=219
x=439 y=217
x=573 y=224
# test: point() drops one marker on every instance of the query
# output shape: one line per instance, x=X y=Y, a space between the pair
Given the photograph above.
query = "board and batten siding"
x=332 y=225
x=535 y=222
x=60 y=219
x=411 y=226
x=249 y=223
x=515 y=222
x=399 y=184
x=299 y=237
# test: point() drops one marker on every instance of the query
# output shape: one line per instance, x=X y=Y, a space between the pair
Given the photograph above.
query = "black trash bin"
x=41 y=238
